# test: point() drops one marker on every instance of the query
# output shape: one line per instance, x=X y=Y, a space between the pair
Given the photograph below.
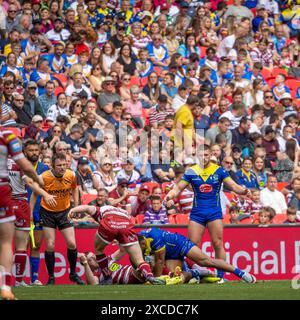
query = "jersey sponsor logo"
x=205 y=188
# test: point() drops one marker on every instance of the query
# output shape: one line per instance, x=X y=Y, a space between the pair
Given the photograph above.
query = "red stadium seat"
x=62 y=79
x=144 y=81
x=281 y=185
x=293 y=85
x=266 y=73
x=182 y=218
x=229 y=195
x=87 y=198
x=172 y=218
x=202 y=51
x=255 y=218
x=277 y=71
x=58 y=90
x=157 y=70
x=134 y=81
x=139 y=219
x=14 y=130
x=226 y=219
x=83 y=152
x=270 y=82
x=279 y=218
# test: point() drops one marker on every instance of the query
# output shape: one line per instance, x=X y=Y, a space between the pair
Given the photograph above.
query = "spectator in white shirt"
x=58 y=33
x=273 y=198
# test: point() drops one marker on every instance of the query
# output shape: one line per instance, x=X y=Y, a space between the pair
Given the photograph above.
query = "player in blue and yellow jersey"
x=206 y=179
x=172 y=248
x=32 y=152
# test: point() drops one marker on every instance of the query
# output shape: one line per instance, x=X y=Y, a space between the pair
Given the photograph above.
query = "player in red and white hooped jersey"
x=9 y=146
x=115 y=224
x=120 y=274
x=21 y=209
x=185 y=201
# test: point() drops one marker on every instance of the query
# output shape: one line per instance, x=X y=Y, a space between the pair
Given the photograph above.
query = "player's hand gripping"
x=73 y=215
x=50 y=200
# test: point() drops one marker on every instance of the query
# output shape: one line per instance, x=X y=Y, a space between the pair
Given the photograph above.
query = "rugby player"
x=32 y=153
x=59 y=181
x=115 y=224
x=21 y=210
x=170 y=249
x=206 y=179
x=9 y=146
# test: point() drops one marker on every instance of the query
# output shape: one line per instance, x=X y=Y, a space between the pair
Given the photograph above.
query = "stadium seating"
x=172 y=218
x=87 y=198
x=277 y=71
x=139 y=219
x=266 y=73
x=293 y=84
x=226 y=219
x=281 y=185
x=182 y=218
x=166 y=187
x=62 y=79
x=279 y=218
x=229 y=195
x=246 y=221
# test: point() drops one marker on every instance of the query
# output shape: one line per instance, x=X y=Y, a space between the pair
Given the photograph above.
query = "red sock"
x=20 y=263
x=6 y=279
x=189 y=262
x=146 y=270
x=102 y=261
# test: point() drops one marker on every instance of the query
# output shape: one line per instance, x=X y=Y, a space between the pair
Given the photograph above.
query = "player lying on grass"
x=115 y=224
x=170 y=249
x=124 y=274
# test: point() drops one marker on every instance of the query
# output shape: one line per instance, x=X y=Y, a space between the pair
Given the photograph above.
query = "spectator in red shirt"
x=119 y=197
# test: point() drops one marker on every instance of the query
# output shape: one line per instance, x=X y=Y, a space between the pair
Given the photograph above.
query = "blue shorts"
x=204 y=218
x=37 y=220
x=179 y=249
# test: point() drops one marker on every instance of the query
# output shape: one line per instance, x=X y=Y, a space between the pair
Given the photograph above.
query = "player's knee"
x=217 y=243
x=50 y=245
x=71 y=245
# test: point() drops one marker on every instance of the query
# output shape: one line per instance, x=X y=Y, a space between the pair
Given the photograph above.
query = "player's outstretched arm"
x=237 y=188
x=172 y=194
x=90 y=278
x=90 y=210
x=28 y=169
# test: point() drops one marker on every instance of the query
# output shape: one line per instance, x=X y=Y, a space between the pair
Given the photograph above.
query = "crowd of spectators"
x=117 y=84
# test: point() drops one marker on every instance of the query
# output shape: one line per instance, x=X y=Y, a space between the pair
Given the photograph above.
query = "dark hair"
x=58 y=156
x=233 y=209
x=30 y=142
x=192 y=99
x=72 y=106
x=153 y=198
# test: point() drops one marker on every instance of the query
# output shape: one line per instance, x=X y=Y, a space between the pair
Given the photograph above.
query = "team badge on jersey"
x=205 y=188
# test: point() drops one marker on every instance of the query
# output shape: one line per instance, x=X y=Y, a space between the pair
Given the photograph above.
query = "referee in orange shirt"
x=61 y=183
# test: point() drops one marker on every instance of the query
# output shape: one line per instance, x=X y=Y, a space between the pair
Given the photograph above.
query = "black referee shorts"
x=55 y=220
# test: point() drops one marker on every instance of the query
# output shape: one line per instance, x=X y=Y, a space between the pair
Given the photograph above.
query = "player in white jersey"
x=20 y=208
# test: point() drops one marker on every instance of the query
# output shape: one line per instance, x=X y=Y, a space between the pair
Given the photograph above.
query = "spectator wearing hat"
x=270 y=143
x=34 y=131
x=129 y=173
x=86 y=181
x=76 y=87
x=236 y=153
x=108 y=96
x=32 y=103
x=47 y=99
x=119 y=197
x=287 y=102
x=58 y=33
x=183 y=17
x=140 y=202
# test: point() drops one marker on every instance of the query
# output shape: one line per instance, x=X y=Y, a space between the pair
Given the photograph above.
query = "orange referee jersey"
x=60 y=188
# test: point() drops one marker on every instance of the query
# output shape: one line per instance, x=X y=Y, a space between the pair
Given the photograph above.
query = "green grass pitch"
x=234 y=290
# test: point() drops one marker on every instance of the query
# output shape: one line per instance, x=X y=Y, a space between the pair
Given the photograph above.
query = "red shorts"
x=113 y=227
x=21 y=209
x=6 y=212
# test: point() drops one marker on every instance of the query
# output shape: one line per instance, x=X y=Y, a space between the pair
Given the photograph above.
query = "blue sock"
x=220 y=274
x=239 y=273
x=34 y=268
x=194 y=273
